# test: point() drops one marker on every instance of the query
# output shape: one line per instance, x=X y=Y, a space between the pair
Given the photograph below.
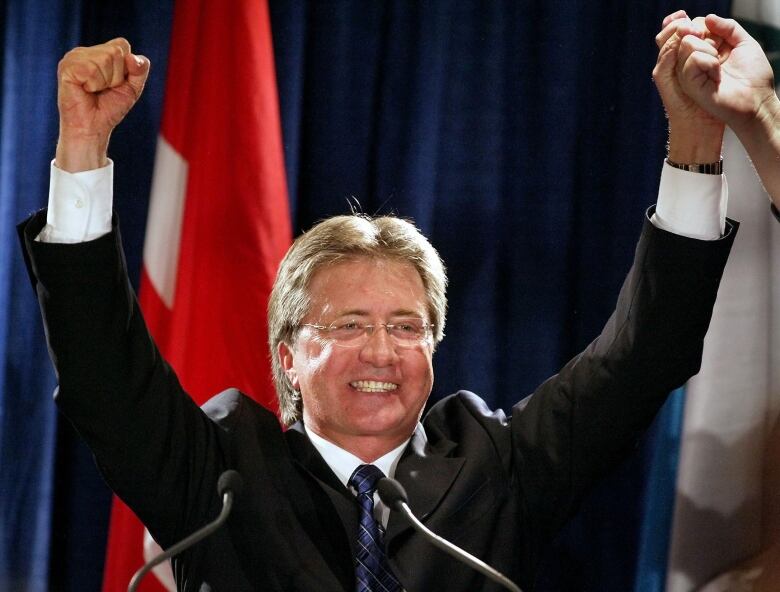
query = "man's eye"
x=348 y=326
x=411 y=327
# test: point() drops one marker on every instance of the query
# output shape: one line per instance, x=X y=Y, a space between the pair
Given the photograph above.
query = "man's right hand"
x=97 y=86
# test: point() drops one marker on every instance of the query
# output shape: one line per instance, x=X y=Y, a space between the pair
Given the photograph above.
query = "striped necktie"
x=372 y=573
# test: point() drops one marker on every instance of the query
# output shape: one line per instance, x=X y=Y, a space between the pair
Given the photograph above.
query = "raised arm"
x=146 y=434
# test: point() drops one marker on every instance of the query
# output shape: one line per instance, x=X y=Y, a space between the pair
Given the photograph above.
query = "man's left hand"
x=695 y=135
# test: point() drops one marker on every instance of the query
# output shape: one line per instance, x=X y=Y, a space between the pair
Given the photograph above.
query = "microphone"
x=393 y=495
x=229 y=485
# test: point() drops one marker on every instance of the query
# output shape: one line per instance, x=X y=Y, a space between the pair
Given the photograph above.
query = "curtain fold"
x=34 y=36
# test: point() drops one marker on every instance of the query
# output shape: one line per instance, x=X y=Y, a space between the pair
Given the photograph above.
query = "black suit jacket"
x=499 y=486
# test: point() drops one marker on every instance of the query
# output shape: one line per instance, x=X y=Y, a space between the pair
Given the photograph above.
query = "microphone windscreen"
x=392 y=493
x=230 y=480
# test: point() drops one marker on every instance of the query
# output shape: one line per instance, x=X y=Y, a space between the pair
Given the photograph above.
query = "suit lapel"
x=326 y=487
x=306 y=455
x=426 y=472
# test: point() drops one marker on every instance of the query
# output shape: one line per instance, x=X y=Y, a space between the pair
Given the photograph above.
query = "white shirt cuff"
x=691 y=204
x=80 y=205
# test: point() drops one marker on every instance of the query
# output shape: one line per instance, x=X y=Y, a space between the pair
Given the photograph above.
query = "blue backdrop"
x=525 y=138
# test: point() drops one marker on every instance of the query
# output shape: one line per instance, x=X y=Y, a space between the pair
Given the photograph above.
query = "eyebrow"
x=357 y=312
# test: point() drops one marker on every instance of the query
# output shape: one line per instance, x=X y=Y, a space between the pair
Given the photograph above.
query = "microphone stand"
x=392 y=494
x=229 y=482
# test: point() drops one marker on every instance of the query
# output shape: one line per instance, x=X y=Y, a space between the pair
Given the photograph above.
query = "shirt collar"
x=344 y=463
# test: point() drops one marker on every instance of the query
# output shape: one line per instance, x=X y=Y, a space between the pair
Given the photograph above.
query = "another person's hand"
x=695 y=135
x=732 y=81
x=97 y=86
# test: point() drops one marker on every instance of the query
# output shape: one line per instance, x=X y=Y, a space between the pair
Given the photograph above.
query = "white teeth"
x=372 y=386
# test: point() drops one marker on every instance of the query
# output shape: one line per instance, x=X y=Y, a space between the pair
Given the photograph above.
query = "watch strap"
x=709 y=168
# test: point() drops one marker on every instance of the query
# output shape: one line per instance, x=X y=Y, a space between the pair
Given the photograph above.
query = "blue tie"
x=371 y=569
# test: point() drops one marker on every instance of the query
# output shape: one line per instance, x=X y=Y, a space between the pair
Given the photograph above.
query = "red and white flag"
x=218 y=221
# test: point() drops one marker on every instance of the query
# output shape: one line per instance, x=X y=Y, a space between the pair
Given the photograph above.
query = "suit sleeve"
x=153 y=445
x=580 y=423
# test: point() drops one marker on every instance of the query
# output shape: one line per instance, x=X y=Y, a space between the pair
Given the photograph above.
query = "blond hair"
x=337 y=239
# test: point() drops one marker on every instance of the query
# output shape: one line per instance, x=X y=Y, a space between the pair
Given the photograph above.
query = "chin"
x=378 y=425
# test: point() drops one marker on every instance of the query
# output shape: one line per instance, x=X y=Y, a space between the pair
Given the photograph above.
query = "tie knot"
x=364 y=479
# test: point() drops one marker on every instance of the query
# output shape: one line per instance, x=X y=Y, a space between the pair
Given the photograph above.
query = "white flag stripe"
x=163 y=224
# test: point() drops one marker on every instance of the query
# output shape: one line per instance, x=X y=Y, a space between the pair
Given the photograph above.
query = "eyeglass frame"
x=368 y=332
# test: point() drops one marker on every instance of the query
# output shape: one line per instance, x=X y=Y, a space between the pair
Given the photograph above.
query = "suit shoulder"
x=231 y=406
x=460 y=410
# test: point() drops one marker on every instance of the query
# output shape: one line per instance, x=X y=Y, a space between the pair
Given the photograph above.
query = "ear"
x=286 y=358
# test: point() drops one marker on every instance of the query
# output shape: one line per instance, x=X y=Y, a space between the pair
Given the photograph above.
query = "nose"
x=379 y=350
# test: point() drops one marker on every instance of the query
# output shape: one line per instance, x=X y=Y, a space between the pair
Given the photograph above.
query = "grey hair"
x=336 y=239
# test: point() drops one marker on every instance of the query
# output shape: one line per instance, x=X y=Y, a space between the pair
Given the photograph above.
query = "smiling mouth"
x=373 y=386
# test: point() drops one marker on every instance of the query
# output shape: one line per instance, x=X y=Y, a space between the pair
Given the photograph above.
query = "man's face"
x=367 y=397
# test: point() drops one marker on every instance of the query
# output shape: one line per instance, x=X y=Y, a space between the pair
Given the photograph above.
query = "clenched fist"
x=695 y=135
x=732 y=80
x=711 y=73
x=97 y=86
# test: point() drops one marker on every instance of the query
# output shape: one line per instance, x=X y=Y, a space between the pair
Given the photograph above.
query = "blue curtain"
x=31 y=42
x=525 y=138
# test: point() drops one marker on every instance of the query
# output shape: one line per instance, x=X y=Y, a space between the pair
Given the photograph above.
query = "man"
x=357 y=309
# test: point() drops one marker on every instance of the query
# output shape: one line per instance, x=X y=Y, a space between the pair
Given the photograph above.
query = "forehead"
x=367 y=285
